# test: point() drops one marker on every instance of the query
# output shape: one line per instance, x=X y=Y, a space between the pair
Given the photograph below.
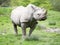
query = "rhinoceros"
x=27 y=17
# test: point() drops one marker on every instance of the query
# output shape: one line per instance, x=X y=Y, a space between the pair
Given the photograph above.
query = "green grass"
x=38 y=37
x=5 y=10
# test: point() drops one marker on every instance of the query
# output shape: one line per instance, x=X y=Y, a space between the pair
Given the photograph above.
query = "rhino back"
x=21 y=14
x=16 y=14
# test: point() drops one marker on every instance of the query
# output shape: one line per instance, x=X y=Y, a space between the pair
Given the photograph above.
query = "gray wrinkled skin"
x=27 y=17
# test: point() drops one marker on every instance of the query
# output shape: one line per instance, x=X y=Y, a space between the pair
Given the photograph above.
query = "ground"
x=38 y=37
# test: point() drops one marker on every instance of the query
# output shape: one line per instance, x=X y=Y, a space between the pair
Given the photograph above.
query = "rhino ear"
x=33 y=7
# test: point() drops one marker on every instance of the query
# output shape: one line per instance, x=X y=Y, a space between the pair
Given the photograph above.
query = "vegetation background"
x=44 y=34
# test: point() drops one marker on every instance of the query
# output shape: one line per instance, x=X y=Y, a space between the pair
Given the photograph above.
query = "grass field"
x=38 y=37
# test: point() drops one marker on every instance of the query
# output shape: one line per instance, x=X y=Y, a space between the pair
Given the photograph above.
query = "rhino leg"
x=15 y=28
x=23 y=26
x=32 y=29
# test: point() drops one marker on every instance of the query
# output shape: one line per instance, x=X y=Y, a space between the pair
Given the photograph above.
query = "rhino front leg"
x=32 y=29
x=15 y=28
x=23 y=26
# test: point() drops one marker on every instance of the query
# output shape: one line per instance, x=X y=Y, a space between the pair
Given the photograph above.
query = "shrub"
x=55 y=4
x=5 y=10
x=19 y=2
x=42 y=3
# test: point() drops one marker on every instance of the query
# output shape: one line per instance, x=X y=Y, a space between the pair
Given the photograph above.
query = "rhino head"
x=40 y=14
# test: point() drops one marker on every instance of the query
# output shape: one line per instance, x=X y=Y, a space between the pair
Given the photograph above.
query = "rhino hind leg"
x=15 y=28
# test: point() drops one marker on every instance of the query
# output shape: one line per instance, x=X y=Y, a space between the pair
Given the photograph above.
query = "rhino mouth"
x=43 y=18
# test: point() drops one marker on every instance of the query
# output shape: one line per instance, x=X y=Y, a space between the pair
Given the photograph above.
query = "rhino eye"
x=38 y=14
